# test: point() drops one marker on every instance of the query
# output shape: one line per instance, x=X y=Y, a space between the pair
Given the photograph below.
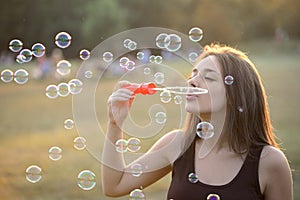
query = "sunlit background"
x=31 y=123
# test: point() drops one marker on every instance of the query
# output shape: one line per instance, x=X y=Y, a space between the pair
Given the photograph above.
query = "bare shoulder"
x=275 y=174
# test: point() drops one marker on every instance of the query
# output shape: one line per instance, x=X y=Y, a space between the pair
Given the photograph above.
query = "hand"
x=119 y=104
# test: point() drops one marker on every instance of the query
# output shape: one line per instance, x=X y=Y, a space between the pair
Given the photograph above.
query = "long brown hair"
x=247 y=120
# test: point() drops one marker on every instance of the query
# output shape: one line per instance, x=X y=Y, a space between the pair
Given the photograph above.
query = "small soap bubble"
x=63 y=67
x=140 y=55
x=132 y=45
x=26 y=55
x=21 y=76
x=108 y=56
x=205 y=130
x=152 y=59
x=33 y=174
x=160 y=117
x=133 y=144
x=63 y=89
x=136 y=169
x=193 y=178
x=15 y=45
x=7 y=75
x=165 y=96
x=55 y=153
x=177 y=99
x=63 y=40
x=173 y=42
x=213 y=197
x=240 y=109
x=52 y=91
x=68 y=124
x=86 y=180
x=130 y=65
x=20 y=58
x=147 y=70
x=38 y=50
x=137 y=194
x=228 y=80
x=79 y=143
x=121 y=145
x=158 y=59
x=126 y=42
x=123 y=62
x=75 y=86
x=193 y=56
x=159 y=77
x=160 y=40
x=88 y=74
x=84 y=54
x=195 y=34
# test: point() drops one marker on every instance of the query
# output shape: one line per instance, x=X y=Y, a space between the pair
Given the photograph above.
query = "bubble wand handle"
x=143 y=88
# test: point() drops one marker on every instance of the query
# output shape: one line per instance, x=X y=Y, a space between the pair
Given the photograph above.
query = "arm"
x=116 y=177
x=275 y=175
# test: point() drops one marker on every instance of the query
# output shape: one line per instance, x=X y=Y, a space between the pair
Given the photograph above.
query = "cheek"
x=218 y=100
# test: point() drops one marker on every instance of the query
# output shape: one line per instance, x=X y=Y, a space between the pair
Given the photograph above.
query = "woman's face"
x=207 y=75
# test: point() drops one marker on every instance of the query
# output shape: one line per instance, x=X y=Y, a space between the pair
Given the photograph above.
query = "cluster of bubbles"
x=130 y=44
x=170 y=42
x=127 y=64
x=155 y=59
x=20 y=76
x=132 y=144
x=74 y=87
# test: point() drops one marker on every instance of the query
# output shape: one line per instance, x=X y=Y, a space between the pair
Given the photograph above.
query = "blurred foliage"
x=91 y=21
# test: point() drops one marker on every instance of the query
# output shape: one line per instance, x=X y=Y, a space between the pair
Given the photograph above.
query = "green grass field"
x=30 y=124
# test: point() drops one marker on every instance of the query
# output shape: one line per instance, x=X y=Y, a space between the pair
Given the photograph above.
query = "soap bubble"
x=152 y=59
x=160 y=40
x=193 y=56
x=130 y=65
x=63 y=67
x=63 y=89
x=126 y=42
x=158 y=59
x=205 y=130
x=88 y=74
x=240 y=109
x=84 y=54
x=173 y=42
x=121 y=145
x=38 y=49
x=52 y=91
x=63 y=40
x=136 y=194
x=7 y=75
x=75 y=86
x=33 y=174
x=147 y=70
x=68 y=124
x=133 y=144
x=55 y=153
x=165 y=96
x=213 y=197
x=136 y=169
x=193 y=178
x=140 y=55
x=21 y=76
x=20 y=58
x=160 y=117
x=228 y=80
x=123 y=62
x=108 y=56
x=79 y=143
x=26 y=55
x=177 y=99
x=132 y=45
x=159 y=77
x=195 y=34
x=15 y=45
x=86 y=180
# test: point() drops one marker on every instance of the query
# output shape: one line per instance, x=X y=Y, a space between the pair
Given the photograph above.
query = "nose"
x=197 y=81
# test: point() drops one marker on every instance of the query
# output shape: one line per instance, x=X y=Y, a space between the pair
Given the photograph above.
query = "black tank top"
x=244 y=186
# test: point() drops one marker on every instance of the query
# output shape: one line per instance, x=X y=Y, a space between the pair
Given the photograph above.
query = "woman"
x=241 y=161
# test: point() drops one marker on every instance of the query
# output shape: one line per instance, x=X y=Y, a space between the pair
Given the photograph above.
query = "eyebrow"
x=195 y=70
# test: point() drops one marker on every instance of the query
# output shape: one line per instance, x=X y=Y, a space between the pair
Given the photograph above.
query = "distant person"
x=241 y=162
x=43 y=69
